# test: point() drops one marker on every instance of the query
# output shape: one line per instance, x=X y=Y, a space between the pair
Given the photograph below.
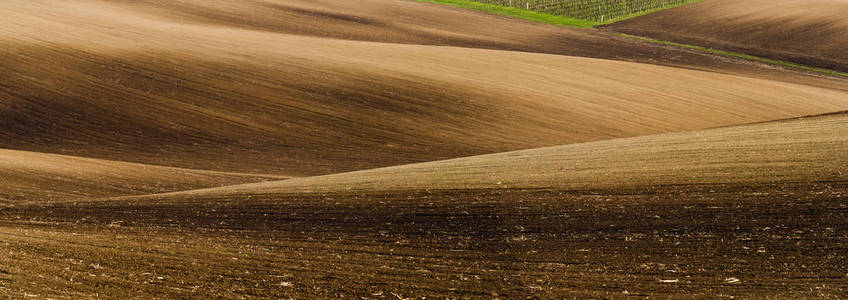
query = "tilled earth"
x=307 y=88
x=809 y=32
x=782 y=240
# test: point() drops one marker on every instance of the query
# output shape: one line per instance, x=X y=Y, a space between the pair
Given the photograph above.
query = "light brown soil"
x=39 y=177
x=800 y=150
x=810 y=32
x=116 y=81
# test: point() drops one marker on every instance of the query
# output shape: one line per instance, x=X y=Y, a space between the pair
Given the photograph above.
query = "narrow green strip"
x=743 y=56
x=517 y=12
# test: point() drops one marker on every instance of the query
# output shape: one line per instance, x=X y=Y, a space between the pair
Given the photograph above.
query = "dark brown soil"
x=786 y=240
x=809 y=32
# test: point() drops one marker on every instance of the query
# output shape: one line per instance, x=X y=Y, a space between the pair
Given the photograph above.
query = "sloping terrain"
x=810 y=32
x=137 y=87
x=800 y=150
x=743 y=211
x=412 y=22
x=97 y=79
x=127 y=117
x=39 y=177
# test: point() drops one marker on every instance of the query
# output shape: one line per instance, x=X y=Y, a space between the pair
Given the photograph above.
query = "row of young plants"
x=599 y=11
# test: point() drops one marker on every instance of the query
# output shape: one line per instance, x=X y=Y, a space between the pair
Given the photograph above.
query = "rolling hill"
x=38 y=177
x=808 y=149
x=744 y=211
x=811 y=32
x=112 y=81
x=415 y=150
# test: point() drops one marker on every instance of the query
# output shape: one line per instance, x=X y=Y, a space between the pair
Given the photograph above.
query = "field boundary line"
x=740 y=55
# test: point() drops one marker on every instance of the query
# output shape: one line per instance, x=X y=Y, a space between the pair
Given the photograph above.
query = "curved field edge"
x=41 y=177
x=797 y=150
x=742 y=56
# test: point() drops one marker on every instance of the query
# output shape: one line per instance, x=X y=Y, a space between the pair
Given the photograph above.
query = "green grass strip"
x=517 y=13
x=743 y=56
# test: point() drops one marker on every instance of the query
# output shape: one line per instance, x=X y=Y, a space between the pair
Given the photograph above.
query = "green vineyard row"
x=599 y=11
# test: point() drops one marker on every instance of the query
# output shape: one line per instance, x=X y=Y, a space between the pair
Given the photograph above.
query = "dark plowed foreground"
x=782 y=240
x=811 y=32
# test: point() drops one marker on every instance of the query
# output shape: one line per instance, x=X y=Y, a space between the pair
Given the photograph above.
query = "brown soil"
x=118 y=81
x=639 y=206
x=781 y=240
x=741 y=211
x=41 y=178
x=810 y=32
x=798 y=150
